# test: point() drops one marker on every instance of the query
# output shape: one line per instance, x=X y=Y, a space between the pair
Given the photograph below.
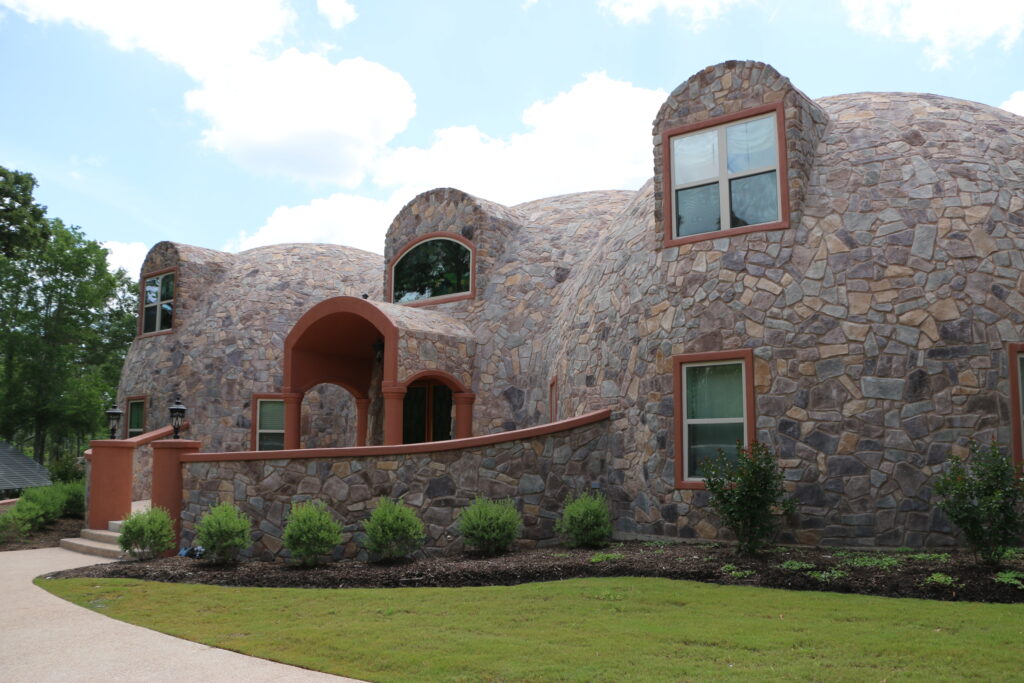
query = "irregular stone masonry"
x=538 y=473
x=879 y=319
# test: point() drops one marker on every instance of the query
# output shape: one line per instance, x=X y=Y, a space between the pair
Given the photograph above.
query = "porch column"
x=394 y=395
x=463 y=414
x=362 y=420
x=110 y=482
x=167 y=493
x=292 y=419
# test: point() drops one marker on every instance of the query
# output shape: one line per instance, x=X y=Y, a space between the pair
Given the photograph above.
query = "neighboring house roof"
x=18 y=471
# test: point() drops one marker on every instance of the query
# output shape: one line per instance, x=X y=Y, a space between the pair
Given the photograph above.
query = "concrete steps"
x=99 y=542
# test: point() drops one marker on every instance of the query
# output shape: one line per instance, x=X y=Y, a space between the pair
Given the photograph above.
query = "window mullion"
x=724 y=222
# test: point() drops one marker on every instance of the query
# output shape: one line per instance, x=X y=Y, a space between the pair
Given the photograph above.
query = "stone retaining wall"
x=538 y=473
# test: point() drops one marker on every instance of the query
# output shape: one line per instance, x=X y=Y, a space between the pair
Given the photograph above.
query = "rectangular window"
x=553 y=400
x=136 y=423
x=158 y=303
x=714 y=409
x=1017 y=402
x=269 y=425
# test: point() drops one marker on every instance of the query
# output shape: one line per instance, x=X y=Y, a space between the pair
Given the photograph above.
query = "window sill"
x=462 y=296
x=142 y=335
x=720 y=234
x=691 y=485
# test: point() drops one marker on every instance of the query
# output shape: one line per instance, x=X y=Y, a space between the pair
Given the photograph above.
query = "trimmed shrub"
x=223 y=532
x=490 y=526
x=50 y=500
x=747 y=493
x=311 y=532
x=586 y=521
x=144 y=535
x=66 y=469
x=984 y=501
x=21 y=520
x=9 y=529
x=393 y=530
x=73 y=493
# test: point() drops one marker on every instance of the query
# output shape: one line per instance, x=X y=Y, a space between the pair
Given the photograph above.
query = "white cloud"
x=1015 y=104
x=338 y=12
x=127 y=255
x=595 y=136
x=345 y=219
x=697 y=12
x=304 y=116
x=945 y=26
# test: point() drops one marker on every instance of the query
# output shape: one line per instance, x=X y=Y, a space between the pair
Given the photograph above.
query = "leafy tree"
x=65 y=324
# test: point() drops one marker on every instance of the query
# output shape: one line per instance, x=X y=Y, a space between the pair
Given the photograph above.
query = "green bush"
x=490 y=526
x=25 y=517
x=984 y=501
x=224 y=532
x=746 y=491
x=586 y=521
x=66 y=469
x=73 y=493
x=9 y=529
x=393 y=530
x=50 y=499
x=311 y=532
x=145 y=535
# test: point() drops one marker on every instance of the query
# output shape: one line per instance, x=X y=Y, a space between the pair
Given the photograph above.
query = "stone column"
x=463 y=414
x=167 y=492
x=362 y=420
x=110 y=482
x=292 y=420
x=394 y=395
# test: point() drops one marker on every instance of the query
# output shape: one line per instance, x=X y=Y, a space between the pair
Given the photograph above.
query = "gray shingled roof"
x=18 y=471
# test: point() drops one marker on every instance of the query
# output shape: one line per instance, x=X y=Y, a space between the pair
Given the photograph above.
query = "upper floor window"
x=1017 y=403
x=269 y=425
x=158 y=303
x=435 y=268
x=725 y=176
x=136 y=424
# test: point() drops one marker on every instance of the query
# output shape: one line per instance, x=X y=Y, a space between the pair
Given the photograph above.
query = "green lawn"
x=610 y=629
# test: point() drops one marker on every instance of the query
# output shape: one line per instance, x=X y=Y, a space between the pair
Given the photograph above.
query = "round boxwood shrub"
x=586 y=521
x=311 y=532
x=224 y=532
x=490 y=526
x=73 y=493
x=144 y=535
x=393 y=530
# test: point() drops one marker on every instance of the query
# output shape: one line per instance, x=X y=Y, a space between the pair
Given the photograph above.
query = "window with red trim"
x=1017 y=402
x=158 y=302
x=434 y=268
x=714 y=409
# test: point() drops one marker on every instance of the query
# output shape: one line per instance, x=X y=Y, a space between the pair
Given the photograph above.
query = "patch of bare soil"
x=46 y=538
x=931 y=575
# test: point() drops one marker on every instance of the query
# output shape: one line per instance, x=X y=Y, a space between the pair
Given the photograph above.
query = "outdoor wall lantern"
x=114 y=419
x=177 y=415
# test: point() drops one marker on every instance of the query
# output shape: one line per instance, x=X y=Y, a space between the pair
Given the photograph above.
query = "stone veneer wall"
x=537 y=472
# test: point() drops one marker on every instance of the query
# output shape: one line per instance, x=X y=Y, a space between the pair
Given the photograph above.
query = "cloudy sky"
x=231 y=124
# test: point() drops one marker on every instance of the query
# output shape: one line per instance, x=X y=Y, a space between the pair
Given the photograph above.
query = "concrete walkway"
x=44 y=638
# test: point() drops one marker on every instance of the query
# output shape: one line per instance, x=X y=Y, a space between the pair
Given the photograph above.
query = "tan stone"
x=860 y=303
x=855 y=331
x=848 y=442
x=913 y=317
x=830 y=350
x=944 y=309
x=754 y=329
x=797 y=413
x=706 y=529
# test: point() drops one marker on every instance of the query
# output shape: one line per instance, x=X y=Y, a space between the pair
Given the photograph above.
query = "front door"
x=427 y=413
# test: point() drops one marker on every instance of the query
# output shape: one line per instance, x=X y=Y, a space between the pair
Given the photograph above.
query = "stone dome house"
x=839 y=278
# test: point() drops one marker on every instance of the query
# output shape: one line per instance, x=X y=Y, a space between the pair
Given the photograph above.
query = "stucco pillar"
x=463 y=414
x=292 y=419
x=394 y=395
x=167 y=492
x=110 y=482
x=362 y=420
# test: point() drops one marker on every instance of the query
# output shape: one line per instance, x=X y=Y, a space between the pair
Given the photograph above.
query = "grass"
x=610 y=629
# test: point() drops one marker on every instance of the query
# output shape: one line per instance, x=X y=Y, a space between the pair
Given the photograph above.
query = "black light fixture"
x=177 y=415
x=114 y=419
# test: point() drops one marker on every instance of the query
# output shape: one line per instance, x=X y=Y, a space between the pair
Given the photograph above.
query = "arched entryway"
x=436 y=407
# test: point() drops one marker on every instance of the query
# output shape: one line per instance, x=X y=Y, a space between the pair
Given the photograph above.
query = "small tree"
x=984 y=501
x=747 y=493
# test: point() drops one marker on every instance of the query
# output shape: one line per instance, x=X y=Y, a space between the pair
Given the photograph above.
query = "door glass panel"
x=754 y=199
x=441 y=414
x=695 y=157
x=697 y=210
x=414 y=415
x=751 y=145
x=714 y=391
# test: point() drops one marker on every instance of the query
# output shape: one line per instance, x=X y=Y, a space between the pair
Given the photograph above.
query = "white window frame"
x=159 y=305
x=724 y=177
x=259 y=428
x=442 y=297
x=710 y=420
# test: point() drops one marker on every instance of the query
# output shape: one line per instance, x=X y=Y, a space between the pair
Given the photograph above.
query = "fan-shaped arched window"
x=434 y=268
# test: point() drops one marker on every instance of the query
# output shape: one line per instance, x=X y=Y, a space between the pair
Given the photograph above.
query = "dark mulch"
x=697 y=562
x=46 y=538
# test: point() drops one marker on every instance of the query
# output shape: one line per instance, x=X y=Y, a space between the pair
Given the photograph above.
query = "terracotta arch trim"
x=441 y=376
x=461 y=296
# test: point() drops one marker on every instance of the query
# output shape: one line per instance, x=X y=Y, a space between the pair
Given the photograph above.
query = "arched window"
x=435 y=268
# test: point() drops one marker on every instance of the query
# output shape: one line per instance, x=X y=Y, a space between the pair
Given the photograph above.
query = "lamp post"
x=114 y=419
x=177 y=411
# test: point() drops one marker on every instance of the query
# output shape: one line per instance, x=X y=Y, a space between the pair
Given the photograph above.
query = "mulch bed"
x=696 y=562
x=47 y=538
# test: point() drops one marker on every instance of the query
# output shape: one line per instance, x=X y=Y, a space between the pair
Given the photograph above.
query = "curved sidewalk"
x=44 y=638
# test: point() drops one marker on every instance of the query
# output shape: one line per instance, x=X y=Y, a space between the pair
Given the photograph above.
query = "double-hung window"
x=269 y=424
x=725 y=176
x=1017 y=402
x=158 y=303
x=714 y=409
x=136 y=417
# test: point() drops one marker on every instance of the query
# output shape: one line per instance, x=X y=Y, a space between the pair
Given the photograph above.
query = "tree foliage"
x=65 y=323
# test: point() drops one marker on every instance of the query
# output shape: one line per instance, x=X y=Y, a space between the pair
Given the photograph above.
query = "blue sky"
x=235 y=123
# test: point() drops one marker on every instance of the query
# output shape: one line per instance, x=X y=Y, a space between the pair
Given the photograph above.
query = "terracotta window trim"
x=448 y=298
x=142 y=303
x=1016 y=357
x=679 y=362
x=669 y=238
x=553 y=399
x=128 y=401
x=254 y=430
